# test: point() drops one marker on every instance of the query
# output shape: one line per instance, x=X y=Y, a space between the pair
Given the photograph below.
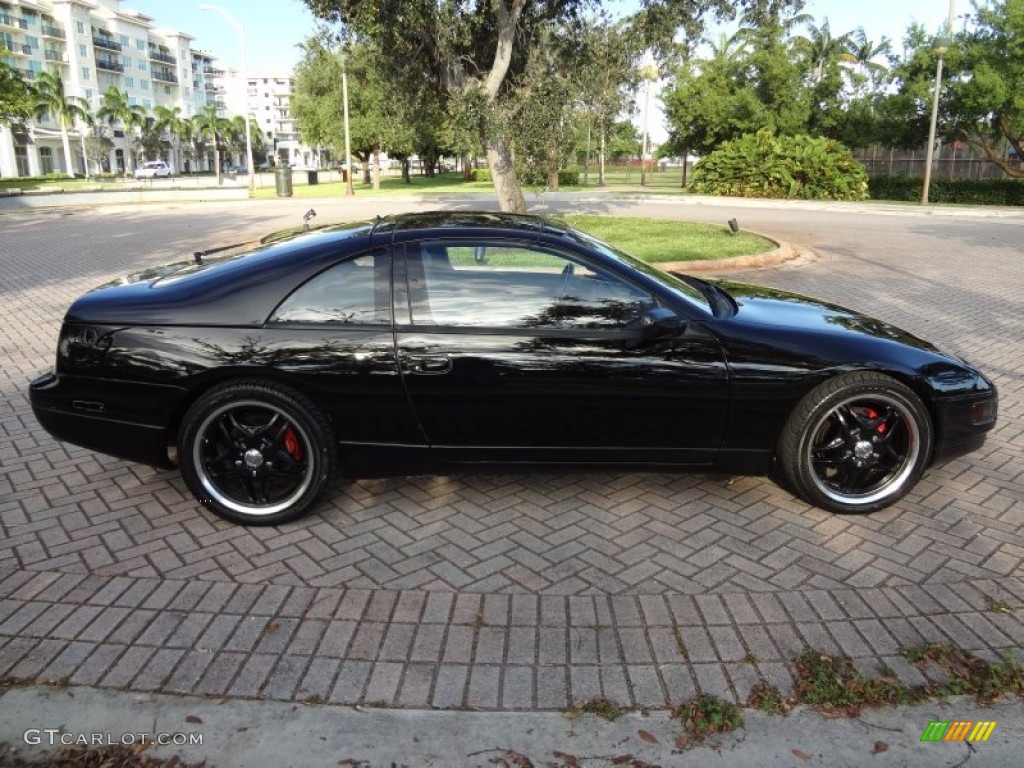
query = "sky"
x=274 y=28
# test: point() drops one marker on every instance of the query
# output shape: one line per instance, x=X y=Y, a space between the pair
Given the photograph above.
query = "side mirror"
x=659 y=323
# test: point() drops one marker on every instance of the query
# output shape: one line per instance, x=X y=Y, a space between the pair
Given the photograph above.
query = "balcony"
x=7 y=20
x=162 y=57
x=51 y=31
x=164 y=77
x=211 y=72
x=109 y=65
x=107 y=43
x=17 y=49
x=28 y=74
x=52 y=54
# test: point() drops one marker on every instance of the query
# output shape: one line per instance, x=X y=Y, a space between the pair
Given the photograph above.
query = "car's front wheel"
x=256 y=452
x=856 y=443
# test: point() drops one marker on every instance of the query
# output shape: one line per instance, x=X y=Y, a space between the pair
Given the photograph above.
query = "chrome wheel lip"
x=895 y=484
x=255 y=510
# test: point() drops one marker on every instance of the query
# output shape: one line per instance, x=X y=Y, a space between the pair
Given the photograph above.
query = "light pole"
x=942 y=46
x=349 y=188
x=240 y=28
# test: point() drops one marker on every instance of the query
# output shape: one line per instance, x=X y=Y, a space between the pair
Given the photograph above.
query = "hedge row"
x=964 y=191
x=568 y=177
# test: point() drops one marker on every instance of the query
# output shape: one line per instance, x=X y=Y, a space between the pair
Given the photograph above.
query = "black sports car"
x=426 y=342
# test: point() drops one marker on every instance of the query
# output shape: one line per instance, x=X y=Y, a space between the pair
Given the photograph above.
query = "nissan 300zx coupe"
x=426 y=343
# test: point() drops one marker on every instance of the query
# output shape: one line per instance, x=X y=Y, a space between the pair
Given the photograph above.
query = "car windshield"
x=687 y=291
x=153 y=165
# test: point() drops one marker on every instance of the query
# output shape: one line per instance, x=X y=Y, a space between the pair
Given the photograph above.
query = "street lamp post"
x=942 y=46
x=240 y=28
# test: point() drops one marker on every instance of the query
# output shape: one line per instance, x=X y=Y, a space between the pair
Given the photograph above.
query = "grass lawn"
x=658 y=240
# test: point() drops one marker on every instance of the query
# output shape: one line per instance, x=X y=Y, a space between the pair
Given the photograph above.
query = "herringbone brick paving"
x=501 y=591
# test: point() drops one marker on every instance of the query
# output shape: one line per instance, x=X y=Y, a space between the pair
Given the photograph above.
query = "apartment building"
x=267 y=97
x=96 y=44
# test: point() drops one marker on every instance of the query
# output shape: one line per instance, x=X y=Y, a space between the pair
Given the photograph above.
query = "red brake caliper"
x=873 y=414
x=291 y=444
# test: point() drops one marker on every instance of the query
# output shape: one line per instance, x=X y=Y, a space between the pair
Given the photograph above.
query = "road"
x=498 y=591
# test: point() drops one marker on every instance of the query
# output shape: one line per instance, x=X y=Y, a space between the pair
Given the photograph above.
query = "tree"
x=16 y=96
x=986 y=101
x=118 y=108
x=50 y=99
x=98 y=145
x=151 y=144
x=476 y=53
x=208 y=124
x=179 y=128
x=608 y=79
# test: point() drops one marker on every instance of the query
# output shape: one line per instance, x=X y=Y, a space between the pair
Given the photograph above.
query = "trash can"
x=283 y=181
x=312 y=177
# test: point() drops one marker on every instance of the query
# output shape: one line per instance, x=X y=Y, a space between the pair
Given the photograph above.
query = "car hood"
x=772 y=308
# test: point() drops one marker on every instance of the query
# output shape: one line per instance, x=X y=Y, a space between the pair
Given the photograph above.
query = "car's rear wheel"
x=256 y=452
x=856 y=443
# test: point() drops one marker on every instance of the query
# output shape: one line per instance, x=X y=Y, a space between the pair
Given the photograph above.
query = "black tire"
x=256 y=452
x=856 y=443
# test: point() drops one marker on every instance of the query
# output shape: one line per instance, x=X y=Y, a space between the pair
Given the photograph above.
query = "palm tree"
x=821 y=49
x=209 y=124
x=50 y=99
x=169 y=119
x=727 y=47
x=117 y=108
x=865 y=52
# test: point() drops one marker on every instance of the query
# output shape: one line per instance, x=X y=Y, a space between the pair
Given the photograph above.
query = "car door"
x=334 y=336
x=514 y=351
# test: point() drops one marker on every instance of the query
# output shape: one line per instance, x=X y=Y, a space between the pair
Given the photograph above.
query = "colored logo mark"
x=958 y=730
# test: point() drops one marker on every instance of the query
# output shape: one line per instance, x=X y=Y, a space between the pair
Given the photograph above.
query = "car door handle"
x=427 y=364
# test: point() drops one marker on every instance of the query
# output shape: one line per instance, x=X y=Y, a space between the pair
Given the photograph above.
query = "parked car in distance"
x=238 y=170
x=436 y=341
x=154 y=169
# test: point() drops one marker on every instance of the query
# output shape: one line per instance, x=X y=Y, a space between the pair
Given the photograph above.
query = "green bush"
x=480 y=174
x=766 y=165
x=535 y=176
x=963 y=191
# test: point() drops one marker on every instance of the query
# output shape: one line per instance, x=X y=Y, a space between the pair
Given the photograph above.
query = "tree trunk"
x=586 y=160
x=68 y=160
x=686 y=154
x=376 y=169
x=503 y=176
x=467 y=167
x=405 y=171
x=600 y=162
x=553 y=168
x=216 y=162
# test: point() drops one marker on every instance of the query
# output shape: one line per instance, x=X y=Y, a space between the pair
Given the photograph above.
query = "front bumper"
x=963 y=423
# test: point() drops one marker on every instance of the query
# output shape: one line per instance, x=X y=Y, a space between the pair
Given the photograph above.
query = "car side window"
x=356 y=291
x=512 y=285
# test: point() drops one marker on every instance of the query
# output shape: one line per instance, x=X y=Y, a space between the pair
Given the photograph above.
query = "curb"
x=784 y=253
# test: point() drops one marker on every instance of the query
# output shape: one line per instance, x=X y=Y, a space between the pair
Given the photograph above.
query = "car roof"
x=434 y=223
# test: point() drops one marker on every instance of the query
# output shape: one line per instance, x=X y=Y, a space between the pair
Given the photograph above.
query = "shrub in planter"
x=766 y=165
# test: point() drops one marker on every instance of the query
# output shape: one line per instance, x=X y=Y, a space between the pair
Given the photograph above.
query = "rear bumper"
x=69 y=422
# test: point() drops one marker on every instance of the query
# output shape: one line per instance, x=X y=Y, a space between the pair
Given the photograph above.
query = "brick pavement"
x=502 y=591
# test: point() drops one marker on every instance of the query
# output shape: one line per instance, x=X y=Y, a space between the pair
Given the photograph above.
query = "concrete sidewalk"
x=251 y=733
